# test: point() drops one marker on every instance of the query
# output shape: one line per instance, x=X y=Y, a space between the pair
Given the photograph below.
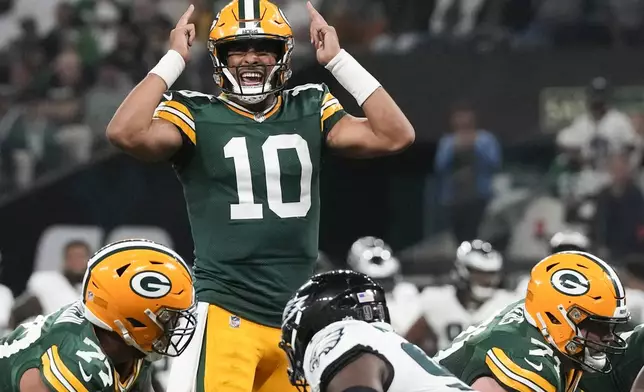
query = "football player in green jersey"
x=138 y=304
x=625 y=367
x=564 y=328
x=249 y=162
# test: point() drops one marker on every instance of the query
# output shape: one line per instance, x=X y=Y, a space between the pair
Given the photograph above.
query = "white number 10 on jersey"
x=237 y=149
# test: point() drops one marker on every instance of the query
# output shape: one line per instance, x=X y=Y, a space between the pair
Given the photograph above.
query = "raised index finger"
x=315 y=15
x=185 y=18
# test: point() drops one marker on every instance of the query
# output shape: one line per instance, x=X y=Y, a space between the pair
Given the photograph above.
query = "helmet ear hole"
x=552 y=318
x=122 y=270
x=135 y=323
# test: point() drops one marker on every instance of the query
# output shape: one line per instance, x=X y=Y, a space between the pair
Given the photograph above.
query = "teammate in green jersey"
x=138 y=303
x=625 y=367
x=564 y=328
x=249 y=162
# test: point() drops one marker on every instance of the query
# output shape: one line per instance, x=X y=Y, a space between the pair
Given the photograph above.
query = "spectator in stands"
x=358 y=22
x=106 y=18
x=468 y=14
x=69 y=31
x=28 y=35
x=619 y=221
x=128 y=54
x=628 y=21
x=63 y=32
x=466 y=160
x=601 y=131
x=77 y=254
x=585 y=147
x=49 y=290
x=65 y=106
x=29 y=148
x=102 y=99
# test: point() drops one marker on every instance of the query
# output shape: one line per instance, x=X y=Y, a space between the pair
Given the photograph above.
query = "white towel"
x=187 y=364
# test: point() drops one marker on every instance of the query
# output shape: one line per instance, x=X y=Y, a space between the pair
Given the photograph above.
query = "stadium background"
x=524 y=68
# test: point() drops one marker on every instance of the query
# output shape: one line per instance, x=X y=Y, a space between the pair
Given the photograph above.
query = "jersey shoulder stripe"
x=330 y=106
x=514 y=376
x=58 y=374
x=331 y=110
x=179 y=115
x=180 y=107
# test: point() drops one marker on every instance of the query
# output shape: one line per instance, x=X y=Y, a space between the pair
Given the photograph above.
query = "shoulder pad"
x=309 y=90
x=405 y=290
x=332 y=345
x=77 y=363
x=190 y=96
x=431 y=294
x=634 y=334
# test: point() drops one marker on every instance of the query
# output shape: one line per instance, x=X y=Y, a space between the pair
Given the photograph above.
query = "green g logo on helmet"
x=151 y=284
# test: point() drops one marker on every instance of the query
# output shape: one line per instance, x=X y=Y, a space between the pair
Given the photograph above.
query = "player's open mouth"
x=251 y=78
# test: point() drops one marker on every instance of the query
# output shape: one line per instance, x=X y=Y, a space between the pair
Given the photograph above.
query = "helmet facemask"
x=177 y=329
x=482 y=285
x=594 y=338
x=232 y=80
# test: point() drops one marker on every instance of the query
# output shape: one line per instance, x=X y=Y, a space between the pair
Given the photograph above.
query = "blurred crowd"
x=594 y=185
x=67 y=64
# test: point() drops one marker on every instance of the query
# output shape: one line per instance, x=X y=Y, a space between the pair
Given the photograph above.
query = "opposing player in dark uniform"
x=138 y=304
x=564 y=328
x=249 y=162
x=338 y=338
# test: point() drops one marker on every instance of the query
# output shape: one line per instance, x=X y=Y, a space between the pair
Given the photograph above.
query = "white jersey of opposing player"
x=6 y=303
x=404 y=306
x=447 y=317
x=412 y=370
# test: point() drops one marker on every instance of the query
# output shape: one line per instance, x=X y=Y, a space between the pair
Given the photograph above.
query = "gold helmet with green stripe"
x=143 y=292
x=251 y=26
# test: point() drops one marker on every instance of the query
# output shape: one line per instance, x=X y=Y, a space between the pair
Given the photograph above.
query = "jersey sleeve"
x=331 y=111
x=332 y=349
x=522 y=368
x=178 y=109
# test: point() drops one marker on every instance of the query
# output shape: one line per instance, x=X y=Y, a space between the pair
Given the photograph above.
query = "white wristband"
x=352 y=76
x=169 y=67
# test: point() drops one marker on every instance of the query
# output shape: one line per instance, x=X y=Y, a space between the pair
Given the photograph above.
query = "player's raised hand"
x=323 y=37
x=183 y=34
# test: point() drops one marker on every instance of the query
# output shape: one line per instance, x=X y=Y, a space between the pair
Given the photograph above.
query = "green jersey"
x=64 y=347
x=511 y=350
x=251 y=185
x=625 y=366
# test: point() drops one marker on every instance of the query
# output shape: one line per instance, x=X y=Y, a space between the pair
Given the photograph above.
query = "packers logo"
x=151 y=284
x=570 y=282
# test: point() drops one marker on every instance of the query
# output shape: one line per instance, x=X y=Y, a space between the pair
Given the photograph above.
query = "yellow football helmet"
x=576 y=300
x=251 y=22
x=142 y=291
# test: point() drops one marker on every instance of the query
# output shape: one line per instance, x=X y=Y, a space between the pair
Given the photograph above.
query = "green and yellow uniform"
x=251 y=184
x=512 y=351
x=66 y=351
